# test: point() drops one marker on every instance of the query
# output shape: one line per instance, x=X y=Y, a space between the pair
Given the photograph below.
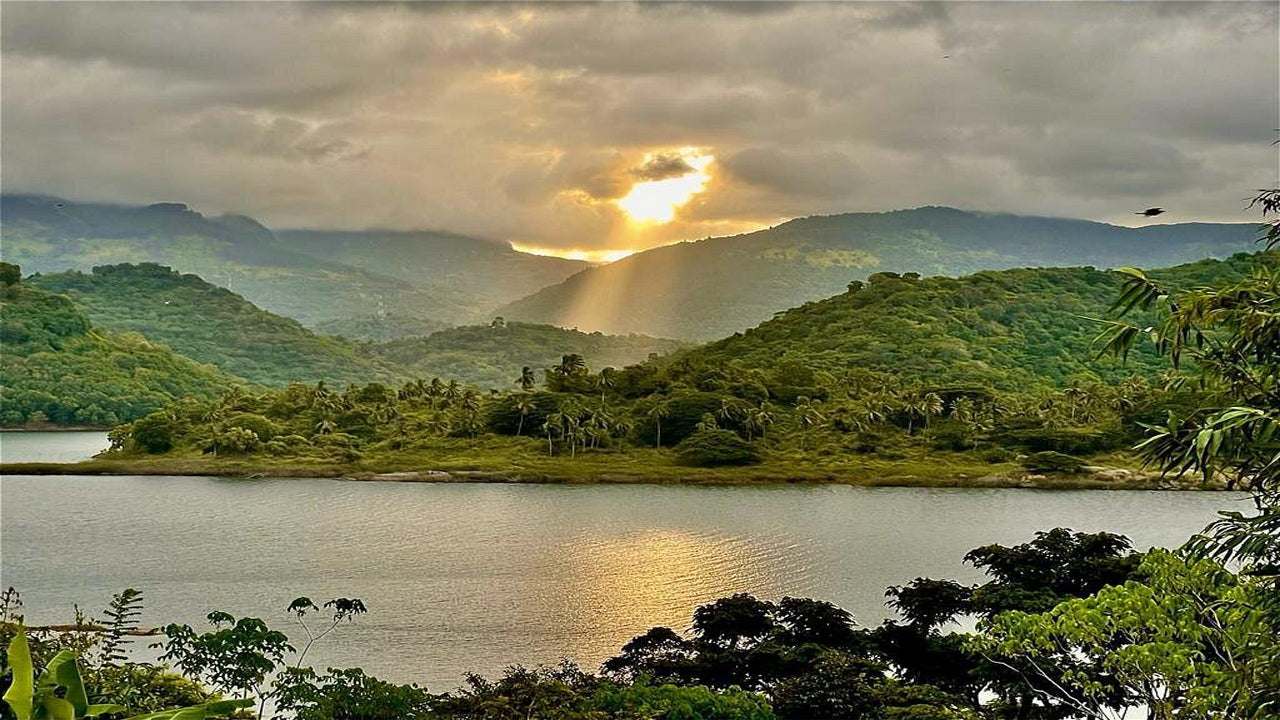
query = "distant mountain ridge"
x=488 y=270
x=710 y=288
x=441 y=278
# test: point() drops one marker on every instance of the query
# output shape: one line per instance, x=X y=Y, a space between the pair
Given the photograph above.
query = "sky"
x=592 y=130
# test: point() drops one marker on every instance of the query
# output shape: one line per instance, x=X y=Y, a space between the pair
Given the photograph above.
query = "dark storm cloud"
x=525 y=120
x=663 y=166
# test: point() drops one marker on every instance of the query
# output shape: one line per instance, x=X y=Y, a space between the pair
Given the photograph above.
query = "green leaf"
x=102 y=709
x=64 y=671
x=55 y=708
x=21 y=693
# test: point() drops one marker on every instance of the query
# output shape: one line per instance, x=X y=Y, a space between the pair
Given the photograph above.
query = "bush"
x=995 y=455
x=154 y=433
x=716 y=448
x=673 y=701
x=1076 y=441
x=948 y=434
x=1052 y=462
x=684 y=412
x=257 y=424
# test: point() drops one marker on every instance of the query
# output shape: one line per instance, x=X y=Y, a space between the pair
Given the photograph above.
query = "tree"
x=523 y=405
x=1187 y=641
x=656 y=410
x=526 y=381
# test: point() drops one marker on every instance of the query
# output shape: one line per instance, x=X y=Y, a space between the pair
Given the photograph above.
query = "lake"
x=474 y=577
x=41 y=446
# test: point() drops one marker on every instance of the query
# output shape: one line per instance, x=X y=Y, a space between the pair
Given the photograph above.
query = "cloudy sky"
x=610 y=127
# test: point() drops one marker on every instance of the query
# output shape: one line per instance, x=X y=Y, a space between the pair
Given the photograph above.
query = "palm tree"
x=526 y=381
x=917 y=405
x=707 y=423
x=657 y=410
x=524 y=405
x=809 y=415
x=608 y=380
x=554 y=423
x=760 y=419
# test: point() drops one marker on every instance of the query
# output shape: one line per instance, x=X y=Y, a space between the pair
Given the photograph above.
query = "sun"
x=656 y=201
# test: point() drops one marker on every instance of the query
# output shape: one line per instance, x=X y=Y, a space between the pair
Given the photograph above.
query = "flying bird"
x=1151 y=212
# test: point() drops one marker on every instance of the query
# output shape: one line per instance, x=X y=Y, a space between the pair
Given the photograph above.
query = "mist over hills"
x=710 y=288
x=440 y=278
x=487 y=270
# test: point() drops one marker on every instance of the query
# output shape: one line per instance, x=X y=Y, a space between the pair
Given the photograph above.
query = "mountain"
x=47 y=234
x=493 y=355
x=212 y=325
x=488 y=270
x=1006 y=329
x=713 y=287
x=59 y=367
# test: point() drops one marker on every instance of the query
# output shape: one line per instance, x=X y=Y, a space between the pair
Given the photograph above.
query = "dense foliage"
x=490 y=356
x=57 y=367
x=710 y=288
x=211 y=325
x=1006 y=329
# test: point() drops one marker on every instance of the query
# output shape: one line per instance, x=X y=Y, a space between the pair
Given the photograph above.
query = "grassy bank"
x=526 y=462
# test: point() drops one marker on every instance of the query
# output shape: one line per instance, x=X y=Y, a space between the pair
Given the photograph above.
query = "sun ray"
x=657 y=201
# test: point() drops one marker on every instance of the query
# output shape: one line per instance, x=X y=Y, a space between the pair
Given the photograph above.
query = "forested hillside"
x=1009 y=329
x=713 y=287
x=493 y=355
x=57 y=367
x=487 y=270
x=212 y=325
x=46 y=234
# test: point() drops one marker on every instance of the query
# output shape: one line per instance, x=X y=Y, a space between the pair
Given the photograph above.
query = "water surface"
x=474 y=577
x=41 y=446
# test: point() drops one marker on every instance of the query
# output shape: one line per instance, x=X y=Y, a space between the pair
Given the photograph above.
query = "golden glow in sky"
x=656 y=201
x=591 y=256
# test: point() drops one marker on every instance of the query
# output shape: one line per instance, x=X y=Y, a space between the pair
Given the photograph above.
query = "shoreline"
x=1093 y=478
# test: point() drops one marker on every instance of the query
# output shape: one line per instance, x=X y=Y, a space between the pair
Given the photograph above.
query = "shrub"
x=1076 y=441
x=1052 y=462
x=684 y=412
x=154 y=433
x=257 y=424
x=948 y=434
x=716 y=448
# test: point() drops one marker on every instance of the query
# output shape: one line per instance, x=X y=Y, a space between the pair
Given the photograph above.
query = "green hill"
x=58 y=367
x=46 y=234
x=383 y=327
x=1008 y=329
x=487 y=270
x=493 y=355
x=713 y=287
x=212 y=325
